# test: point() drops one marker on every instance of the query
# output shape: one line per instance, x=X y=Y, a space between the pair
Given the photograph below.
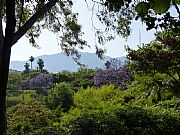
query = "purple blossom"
x=115 y=76
x=40 y=82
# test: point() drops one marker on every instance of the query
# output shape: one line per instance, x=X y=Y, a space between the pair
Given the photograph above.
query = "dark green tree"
x=160 y=56
x=31 y=59
x=63 y=76
x=40 y=63
x=83 y=78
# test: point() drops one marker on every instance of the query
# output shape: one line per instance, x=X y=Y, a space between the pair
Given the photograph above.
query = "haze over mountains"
x=59 y=62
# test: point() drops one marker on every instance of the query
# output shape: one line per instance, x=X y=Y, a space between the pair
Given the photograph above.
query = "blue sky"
x=49 y=45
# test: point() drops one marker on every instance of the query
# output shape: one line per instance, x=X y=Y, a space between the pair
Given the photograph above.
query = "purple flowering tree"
x=40 y=83
x=115 y=74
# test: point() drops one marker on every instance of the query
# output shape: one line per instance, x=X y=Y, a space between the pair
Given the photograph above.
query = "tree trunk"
x=4 y=69
x=31 y=66
x=5 y=60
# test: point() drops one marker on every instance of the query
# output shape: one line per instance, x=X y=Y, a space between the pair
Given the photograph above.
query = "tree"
x=63 y=76
x=115 y=74
x=160 y=56
x=29 y=18
x=83 y=78
x=117 y=15
x=26 y=66
x=40 y=82
x=40 y=63
x=31 y=59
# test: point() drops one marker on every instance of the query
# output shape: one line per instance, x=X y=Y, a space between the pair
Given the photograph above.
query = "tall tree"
x=40 y=63
x=29 y=18
x=31 y=59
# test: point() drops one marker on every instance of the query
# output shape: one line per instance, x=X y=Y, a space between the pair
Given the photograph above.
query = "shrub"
x=122 y=120
x=28 y=117
x=60 y=95
x=93 y=98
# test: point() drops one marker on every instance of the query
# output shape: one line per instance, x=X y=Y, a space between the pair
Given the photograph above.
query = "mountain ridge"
x=58 y=62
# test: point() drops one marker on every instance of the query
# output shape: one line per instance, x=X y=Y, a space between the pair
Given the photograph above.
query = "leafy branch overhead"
x=119 y=14
x=32 y=16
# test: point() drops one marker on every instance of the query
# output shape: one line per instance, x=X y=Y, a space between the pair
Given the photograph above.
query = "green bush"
x=173 y=103
x=61 y=95
x=122 y=120
x=46 y=131
x=92 y=98
x=28 y=117
x=109 y=111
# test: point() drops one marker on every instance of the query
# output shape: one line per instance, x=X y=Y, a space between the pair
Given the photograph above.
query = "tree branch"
x=40 y=13
x=177 y=8
x=173 y=77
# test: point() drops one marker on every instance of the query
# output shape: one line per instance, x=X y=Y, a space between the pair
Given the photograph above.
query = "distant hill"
x=59 y=62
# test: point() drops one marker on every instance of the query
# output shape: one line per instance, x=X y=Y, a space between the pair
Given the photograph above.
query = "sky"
x=49 y=44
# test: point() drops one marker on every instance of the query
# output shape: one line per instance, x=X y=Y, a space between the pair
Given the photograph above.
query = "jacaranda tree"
x=115 y=74
x=40 y=82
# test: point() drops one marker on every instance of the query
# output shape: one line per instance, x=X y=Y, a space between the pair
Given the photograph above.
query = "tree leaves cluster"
x=154 y=13
x=35 y=15
x=159 y=56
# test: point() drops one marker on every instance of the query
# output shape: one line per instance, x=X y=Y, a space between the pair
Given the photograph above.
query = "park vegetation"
x=140 y=96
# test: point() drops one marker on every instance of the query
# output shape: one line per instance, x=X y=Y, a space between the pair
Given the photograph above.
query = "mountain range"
x=59 y=62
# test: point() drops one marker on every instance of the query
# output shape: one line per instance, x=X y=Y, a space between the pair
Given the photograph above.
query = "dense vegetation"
x=141 y=96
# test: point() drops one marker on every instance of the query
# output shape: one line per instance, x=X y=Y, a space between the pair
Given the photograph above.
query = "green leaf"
x=142 y=8
x=177 y=1
x=160 y=6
